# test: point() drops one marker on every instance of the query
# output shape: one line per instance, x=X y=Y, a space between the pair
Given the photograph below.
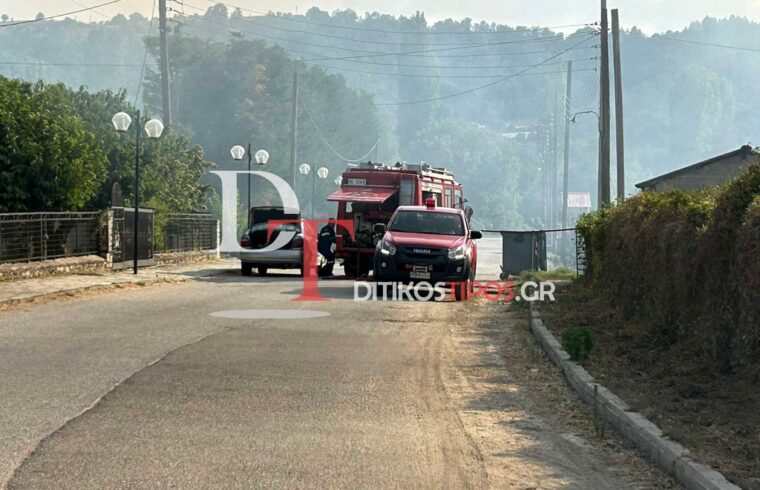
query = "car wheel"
x=246 y=269
x=262 y=271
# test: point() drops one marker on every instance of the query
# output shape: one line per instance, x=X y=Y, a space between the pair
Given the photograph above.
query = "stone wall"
x=69 y=265
x=184 y=257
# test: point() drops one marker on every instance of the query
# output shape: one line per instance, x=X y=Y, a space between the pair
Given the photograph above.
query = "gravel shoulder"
x=532 y=429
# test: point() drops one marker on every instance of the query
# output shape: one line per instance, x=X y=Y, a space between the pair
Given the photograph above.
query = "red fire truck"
x=369 y=195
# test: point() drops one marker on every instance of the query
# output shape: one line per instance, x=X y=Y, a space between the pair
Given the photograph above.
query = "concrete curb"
x=667 y=454
x=82 y=289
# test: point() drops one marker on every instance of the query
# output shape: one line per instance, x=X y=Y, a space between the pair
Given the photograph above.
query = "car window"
x=283 y=227
x=429 y=223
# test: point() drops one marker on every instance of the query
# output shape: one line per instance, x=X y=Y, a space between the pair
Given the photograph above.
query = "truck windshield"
x=428 y=223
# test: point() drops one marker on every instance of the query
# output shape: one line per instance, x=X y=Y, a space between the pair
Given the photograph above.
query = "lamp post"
x=153 y=128
x=573 y=120
x=262 y=157
x=322 y=173
x=599 y=149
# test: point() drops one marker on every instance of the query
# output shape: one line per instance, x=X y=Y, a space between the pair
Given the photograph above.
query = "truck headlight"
x=386 y=247
x=456 y=253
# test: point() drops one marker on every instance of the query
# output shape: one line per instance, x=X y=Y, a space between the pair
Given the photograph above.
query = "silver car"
x=290 y=256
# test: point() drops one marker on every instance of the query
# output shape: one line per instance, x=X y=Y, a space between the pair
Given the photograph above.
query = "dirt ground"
x=516 y=406
x=715 y=416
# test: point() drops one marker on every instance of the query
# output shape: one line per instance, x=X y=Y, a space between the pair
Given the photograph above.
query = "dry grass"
x=716 y=416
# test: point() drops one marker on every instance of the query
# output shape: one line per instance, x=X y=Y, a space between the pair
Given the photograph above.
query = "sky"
x=649 y=15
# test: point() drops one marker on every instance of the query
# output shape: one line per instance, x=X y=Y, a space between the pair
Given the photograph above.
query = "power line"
x=95 y=11
x=490 y=84
x=590 y=91
x=414 y=75
x=370 y=54
x=327 y=143
x=383 y=31
x=84 y=65
x=59 y=15
x=454 y=67
x=329 y=36
x=407 y=75
x=402 y=53
x=195 y=18
x=145 y=56
x=703 y=43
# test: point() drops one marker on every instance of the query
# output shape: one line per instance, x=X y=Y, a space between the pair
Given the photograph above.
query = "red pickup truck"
x=428 y=243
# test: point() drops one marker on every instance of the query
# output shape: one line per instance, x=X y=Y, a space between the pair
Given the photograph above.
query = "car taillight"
x=244 y=242
x=298 y=242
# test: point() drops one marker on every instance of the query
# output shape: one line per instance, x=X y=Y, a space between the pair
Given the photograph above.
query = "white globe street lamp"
x=153 y=128
x=121 y=122
x=237 y=152
x=304 y=168
x=262 y=157
x=322 y=172
x=339 y=180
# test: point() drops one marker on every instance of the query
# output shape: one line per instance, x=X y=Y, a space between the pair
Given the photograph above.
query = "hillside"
x=684 y=101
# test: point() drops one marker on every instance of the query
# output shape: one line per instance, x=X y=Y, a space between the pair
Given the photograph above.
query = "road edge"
x=669 y=455
x=5 y=485
x=64 y=293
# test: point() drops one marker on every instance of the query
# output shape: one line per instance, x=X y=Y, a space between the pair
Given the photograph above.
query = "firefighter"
x=326 y=247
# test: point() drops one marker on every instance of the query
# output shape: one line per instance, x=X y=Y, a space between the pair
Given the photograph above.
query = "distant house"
x=715 y=171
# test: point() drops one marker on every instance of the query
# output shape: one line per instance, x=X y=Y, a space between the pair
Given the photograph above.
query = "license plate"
x=419 y=272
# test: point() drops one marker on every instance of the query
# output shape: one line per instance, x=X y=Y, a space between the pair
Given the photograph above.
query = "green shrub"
x=747 y=274
x=577 y=342
x=683 y=266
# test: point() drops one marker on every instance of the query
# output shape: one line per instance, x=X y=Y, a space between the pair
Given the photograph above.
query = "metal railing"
x=188 y=232
x=27 y=237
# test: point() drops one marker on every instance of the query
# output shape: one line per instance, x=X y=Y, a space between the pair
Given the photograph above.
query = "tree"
x=58 y=151
x=246 y=89
x=49 y=160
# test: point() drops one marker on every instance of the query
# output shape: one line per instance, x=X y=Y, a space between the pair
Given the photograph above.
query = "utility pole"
x=554 y=176
x=165 y=95
x=604 y=154
x=619 y=128
x=566 y=167
x=294 y=131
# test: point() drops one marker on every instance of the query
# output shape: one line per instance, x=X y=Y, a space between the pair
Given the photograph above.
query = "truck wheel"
x=262 y=271
x=246 y=269
x=389 y=291
x=350 y=269
x=364 y=269
x=462 y=290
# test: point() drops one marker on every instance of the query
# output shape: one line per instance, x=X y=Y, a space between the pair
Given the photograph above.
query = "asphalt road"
x=145 y=389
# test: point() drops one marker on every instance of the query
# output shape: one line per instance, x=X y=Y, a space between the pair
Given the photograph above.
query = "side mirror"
x=468 y=211
x=476 y=235
x=379 y=228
